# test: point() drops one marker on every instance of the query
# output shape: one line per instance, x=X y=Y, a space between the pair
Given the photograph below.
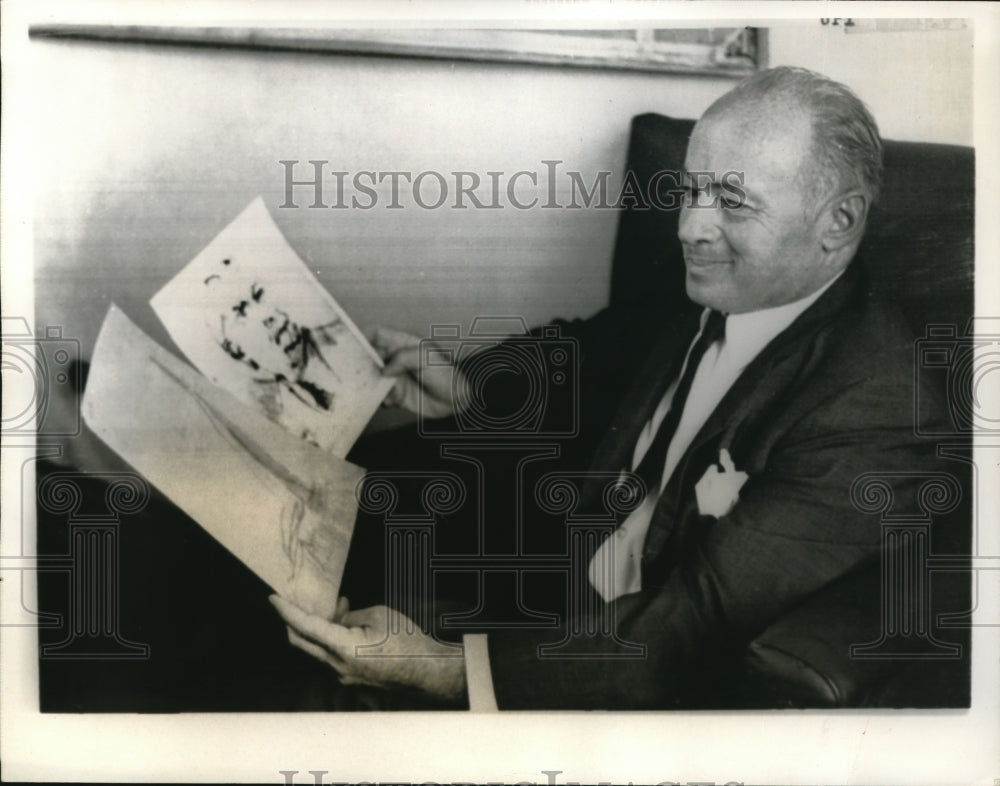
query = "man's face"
x=764 y=250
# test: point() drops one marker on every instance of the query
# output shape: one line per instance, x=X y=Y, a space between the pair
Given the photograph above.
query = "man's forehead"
x=770 y=145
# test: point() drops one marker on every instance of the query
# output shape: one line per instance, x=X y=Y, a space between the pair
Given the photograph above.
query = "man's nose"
x=698 y=224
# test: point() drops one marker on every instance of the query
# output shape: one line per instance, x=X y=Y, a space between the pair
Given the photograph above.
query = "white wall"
x=143 y=153
x=917 y=83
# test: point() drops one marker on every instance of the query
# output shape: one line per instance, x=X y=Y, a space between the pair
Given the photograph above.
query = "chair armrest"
x=804 y=658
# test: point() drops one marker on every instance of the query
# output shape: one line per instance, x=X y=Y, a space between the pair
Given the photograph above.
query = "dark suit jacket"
x=827 y=400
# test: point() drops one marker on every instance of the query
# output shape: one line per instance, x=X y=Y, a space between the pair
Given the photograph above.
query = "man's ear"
x=845 y=221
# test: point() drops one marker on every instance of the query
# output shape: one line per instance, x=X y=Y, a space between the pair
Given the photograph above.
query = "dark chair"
x=918 y=252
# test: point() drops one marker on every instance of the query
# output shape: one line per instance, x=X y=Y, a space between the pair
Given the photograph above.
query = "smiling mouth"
x=702 y=262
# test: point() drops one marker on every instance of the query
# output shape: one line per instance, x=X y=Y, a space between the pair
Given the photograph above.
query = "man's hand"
x=407 y=659
x=401 y=352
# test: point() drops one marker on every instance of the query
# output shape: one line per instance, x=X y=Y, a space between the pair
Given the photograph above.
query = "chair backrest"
x=918 y=249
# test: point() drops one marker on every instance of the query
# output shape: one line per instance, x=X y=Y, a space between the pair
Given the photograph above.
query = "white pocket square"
x=718 y=492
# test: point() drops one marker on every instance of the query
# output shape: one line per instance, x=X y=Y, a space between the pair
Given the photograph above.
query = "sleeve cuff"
x=477 y=673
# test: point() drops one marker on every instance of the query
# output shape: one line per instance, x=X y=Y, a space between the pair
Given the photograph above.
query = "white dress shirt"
x=615 y=569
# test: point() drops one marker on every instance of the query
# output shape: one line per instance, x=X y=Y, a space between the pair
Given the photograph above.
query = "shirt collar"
x=752 y=330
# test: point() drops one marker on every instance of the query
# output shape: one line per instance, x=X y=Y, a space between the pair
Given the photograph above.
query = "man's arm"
x=793 y=531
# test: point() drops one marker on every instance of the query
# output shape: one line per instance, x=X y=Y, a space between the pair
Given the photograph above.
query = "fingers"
x=404 y=360
x=343 y=606
x=329 y=643
x=315 y=650
x=397 y=395
x=388 y=340
x=370 y=617
x=336 y=639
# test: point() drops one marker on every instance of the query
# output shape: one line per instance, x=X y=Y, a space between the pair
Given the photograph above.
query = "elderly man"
x=746 y=426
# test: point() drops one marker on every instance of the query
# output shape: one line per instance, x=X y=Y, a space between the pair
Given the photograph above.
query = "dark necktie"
x=650 y=469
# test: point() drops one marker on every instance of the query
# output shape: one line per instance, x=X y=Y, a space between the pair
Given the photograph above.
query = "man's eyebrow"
x=735 y=181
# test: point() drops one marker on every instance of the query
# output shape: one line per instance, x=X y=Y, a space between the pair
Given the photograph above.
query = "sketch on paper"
x=291 y=359
x=252 y=318
x=284 y=507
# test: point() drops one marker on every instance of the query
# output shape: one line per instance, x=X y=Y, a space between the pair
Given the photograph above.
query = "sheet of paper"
x=284 y=507
x=253 y=319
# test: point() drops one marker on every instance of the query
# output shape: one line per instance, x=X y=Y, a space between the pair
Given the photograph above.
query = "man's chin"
x=706 y=291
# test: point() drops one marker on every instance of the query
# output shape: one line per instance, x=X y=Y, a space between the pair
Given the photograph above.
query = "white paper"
x=284 y=507
x=253 y=319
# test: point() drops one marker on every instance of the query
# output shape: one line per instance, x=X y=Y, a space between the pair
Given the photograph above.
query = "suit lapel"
x=639 y=403
x=778 y=366
x=614 y=452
